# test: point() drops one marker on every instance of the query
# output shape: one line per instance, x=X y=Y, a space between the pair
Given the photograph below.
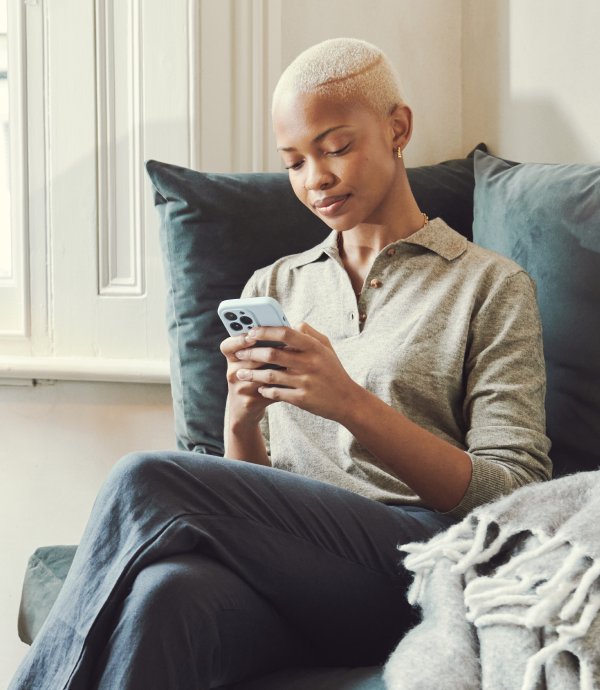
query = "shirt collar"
x=327 y=246
x=436 y=236
x=440 y=238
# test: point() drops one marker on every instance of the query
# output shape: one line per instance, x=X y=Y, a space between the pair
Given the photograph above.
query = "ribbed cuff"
x=488 y=482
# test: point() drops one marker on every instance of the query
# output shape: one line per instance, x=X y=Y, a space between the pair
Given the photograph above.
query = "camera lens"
x=245 y=319
x=237 y=326
x=230 y=315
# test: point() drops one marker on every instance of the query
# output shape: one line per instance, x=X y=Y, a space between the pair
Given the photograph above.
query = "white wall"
x=531 y=70
x=57 y=444
x=421 y=38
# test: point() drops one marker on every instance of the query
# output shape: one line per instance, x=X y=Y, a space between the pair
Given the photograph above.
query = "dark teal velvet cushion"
x=546 y=217
x=215 y=231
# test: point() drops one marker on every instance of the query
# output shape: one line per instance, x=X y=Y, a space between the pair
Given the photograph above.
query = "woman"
x=415 y=394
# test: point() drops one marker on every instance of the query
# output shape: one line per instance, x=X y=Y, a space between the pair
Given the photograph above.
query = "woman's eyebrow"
x=315 y=140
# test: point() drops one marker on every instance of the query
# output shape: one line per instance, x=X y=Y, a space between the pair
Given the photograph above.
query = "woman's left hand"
x=318 y=382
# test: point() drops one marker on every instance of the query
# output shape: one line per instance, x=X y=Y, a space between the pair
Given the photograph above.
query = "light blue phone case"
x=240 y=315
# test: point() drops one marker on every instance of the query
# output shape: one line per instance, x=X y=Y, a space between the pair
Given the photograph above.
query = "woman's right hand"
x=246 y=404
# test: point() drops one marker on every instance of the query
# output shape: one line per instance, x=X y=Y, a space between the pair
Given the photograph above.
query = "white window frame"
x=241 y=41
x=14 y=296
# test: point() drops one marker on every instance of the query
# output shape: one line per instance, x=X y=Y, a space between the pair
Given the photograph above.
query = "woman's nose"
x=318 y=177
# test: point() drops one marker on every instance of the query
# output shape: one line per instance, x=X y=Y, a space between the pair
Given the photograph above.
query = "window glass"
x=5 y=230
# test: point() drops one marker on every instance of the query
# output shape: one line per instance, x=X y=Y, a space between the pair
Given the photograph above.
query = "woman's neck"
x=398 y=217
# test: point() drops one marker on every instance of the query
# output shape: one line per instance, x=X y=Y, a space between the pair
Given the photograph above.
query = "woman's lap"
x=324 y=558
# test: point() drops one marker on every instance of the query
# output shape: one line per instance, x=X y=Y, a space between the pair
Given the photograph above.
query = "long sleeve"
x=505 y=386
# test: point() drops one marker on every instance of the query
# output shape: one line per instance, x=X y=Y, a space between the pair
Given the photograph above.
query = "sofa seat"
x=299 y=678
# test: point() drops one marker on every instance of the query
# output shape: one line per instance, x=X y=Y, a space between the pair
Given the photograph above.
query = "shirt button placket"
x=376 y=283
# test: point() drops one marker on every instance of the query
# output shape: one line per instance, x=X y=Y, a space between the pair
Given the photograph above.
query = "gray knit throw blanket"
x=510 y=596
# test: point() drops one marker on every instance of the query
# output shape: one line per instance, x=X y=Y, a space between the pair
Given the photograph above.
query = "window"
x=94 y=90
x=5 y=225
x=14 y=323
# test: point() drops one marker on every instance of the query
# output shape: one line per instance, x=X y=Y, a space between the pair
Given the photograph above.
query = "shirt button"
x=391 y=251
x=376 y=283
x=362 y=317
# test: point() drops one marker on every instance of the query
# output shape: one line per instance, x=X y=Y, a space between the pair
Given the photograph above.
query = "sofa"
x=217 y=229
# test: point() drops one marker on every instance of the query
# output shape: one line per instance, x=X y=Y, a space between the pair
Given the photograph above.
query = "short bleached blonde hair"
x=347 y=69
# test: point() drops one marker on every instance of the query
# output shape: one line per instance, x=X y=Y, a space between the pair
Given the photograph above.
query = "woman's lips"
x=332 y=208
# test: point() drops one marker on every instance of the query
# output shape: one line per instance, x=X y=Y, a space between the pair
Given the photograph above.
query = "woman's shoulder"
x=491 y=258
x=462 y=259
x=489 y=265
x=490 y=277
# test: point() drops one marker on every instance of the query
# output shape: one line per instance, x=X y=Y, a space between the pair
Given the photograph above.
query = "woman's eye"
x=340 y=151
x=296 y=166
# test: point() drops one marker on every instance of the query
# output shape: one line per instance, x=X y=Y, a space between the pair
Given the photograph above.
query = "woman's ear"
x=401 y=122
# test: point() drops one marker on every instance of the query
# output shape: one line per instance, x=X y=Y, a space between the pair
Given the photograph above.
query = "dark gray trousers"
x=196 y=571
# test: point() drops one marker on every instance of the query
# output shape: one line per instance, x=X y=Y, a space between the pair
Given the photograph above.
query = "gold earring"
x=399 y=152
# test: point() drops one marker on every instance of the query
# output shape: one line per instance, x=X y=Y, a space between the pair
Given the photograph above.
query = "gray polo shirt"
x=444 y=331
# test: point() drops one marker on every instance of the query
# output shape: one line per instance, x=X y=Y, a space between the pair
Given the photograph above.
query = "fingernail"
x=242 y=374
x=250 y=338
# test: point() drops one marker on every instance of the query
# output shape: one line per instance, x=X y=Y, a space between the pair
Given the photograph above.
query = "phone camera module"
x=230 y=315
x=246 y=319
x=237 y=326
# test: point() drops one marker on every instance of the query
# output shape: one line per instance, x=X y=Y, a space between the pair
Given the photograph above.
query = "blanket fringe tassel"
x=486 y=593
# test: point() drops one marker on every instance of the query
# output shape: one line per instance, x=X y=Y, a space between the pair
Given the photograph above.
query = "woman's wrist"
x=246 y=443
x=353 y=401
x=241 y=424
x=241 y=418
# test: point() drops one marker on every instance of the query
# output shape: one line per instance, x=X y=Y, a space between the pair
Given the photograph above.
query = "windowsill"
x=85 y=369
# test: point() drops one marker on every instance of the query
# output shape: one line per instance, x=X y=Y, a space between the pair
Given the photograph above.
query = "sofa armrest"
x=46 y=571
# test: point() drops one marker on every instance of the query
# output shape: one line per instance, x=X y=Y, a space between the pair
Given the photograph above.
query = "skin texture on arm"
x=246 y=444
x=436 y=470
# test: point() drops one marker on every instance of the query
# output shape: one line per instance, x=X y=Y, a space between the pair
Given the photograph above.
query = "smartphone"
x=240 y=315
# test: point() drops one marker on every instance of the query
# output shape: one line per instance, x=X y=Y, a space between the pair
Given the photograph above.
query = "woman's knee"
x=144 y=470
x=139 y=469
x=157 y=590
x=180 y=586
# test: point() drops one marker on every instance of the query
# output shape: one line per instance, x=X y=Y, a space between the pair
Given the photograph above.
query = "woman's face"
x=340 y=157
